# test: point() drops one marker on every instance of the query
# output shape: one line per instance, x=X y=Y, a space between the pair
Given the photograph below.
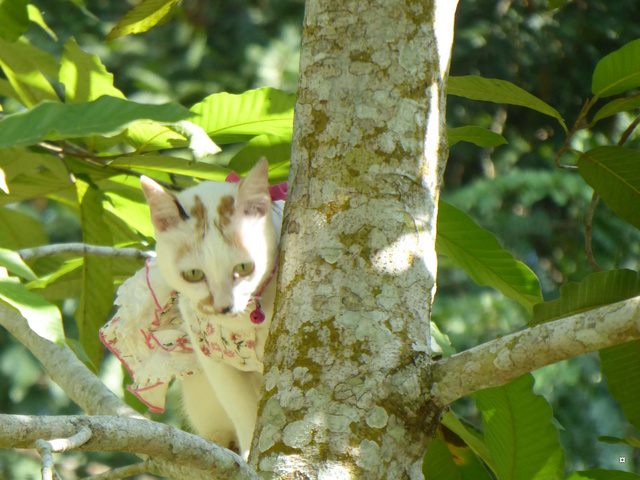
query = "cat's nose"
x=222 y=310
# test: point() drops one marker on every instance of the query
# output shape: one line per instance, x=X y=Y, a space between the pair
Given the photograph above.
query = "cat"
x=216 y=260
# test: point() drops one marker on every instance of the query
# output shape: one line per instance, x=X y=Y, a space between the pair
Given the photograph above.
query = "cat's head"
x=216 y=242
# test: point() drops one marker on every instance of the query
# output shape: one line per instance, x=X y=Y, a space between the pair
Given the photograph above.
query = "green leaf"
x=476 y=135
x=96 y=296
x=555 y=4
x=600 y=474
x=616 y=106
x=84 y=76
x=144 y=136
x=143 y=17
x=438 y=463
x=104 y=116
x=43 y=317
x=499 y=91
x=14 y=19
x=127 y=202
x=596 y=290
x=473 y=439
x=165 y=163
x=36 y=17
x=30 y=175
x=631 y=441
x=478 y=252
x=236 y=118
x=14 y=264
x=519 y=433
x=617 y=72
x=276 y=150
x=614 y=173
x=27 y=69
x=20 y=230
x=621 y=366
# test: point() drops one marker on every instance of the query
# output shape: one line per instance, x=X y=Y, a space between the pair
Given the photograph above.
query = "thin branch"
x=47 y=447
x=498 y=362
x=122 y=472
x=97 y=161
x=84 y=388
x=588 y=223
x=627 y=133
x=578 y=125
x=84 y=249
x=139 y=436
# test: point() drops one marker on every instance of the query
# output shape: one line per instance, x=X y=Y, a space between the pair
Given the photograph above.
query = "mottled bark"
x=499 y=361
x=350 y=343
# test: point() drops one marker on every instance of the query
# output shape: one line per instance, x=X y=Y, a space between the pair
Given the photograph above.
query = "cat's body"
x=217 y=247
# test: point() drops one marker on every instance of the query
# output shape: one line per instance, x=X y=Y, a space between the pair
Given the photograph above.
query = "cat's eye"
x=243 y=269
x=193 y=275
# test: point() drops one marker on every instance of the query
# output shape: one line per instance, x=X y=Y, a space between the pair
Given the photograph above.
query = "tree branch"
x=117 y=434
x=64 y=368
x=84 y=249
x=497 y=362
x=85 y=389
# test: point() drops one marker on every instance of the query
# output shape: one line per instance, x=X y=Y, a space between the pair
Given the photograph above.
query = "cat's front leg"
x=238 y=393
x=206 y=415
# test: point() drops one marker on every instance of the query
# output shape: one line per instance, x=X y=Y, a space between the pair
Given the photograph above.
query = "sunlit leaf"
x=14 y=19
x=143 y=17
x=43 y=317
x=276 y=149
x=165 y=163
x=616 y=106
x=36 y=17
x=519 y=433
x=235 y=118
x=3 y=182
x=499 y=91
x=476 y=135
x=27 y=68
x=84 y=76
x=128 y=203
x=30 y=174
x=20 y=230
x=145 y=136
x=617 y=72
x=614 y=173
x=478 y=252
x=621 y=366
x=14 y=264
x=96 y=296
x=596 y=290
x=104 y=116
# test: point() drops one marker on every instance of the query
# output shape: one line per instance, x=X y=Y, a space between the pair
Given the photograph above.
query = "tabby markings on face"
x=199 y=212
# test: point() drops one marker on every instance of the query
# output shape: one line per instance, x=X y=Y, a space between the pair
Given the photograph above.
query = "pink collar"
x=257 y=315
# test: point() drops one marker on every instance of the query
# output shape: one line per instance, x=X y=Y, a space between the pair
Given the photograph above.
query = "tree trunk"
x=349 y=349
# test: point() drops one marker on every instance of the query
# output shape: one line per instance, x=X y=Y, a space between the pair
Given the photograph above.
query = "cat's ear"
x=166 y=212
x=253 y=197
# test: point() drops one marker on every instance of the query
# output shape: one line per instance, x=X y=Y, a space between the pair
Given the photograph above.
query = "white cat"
x=216 y=252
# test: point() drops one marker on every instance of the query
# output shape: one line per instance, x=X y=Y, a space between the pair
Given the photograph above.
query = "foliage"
x=75 y=138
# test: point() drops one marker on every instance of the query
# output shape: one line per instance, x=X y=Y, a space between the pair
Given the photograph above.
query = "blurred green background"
x=536 y=210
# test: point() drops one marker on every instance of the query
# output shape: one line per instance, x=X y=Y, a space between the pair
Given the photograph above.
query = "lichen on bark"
x=350 y=343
